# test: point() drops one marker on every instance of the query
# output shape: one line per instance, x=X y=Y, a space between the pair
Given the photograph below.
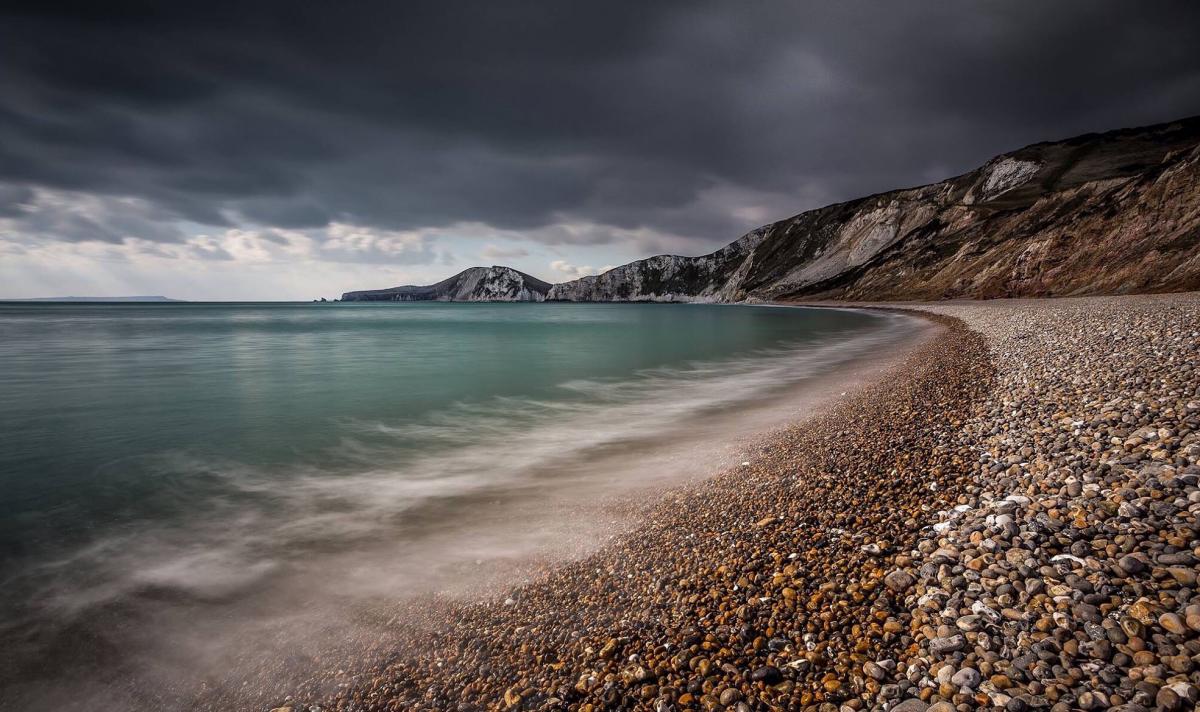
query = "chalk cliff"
x=1110 y=213
x=477 y=284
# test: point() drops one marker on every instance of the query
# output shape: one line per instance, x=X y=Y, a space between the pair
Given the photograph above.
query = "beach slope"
x=1007 y=519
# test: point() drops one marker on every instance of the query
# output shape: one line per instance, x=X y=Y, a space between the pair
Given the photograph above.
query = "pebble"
x=899 y=581
x=874 y=671
x=1172 y=623
x=768 y=674
x=967 y=677
x=947 y=644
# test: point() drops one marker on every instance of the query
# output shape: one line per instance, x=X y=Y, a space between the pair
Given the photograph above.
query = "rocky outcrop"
x=1110 y=213
x=477 y=284
x=664 y=278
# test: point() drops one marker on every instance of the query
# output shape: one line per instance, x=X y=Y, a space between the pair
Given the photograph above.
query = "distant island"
x=154 y=298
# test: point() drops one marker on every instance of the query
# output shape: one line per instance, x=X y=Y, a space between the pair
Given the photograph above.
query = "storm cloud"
x=666 y=125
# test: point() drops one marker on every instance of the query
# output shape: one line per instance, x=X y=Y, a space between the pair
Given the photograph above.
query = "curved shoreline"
x=551 y=479
x=727 y=566
x=1007 y=520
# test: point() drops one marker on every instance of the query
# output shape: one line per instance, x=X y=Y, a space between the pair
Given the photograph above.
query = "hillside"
x=1110 y=213
x=477 y=284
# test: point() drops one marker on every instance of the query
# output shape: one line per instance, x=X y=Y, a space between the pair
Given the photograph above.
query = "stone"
x=947 y=644
x=874 y=671
x=966 y=677
x=899 y=581
x=1167 y=700
x=1172 y=623
x=1131 y=564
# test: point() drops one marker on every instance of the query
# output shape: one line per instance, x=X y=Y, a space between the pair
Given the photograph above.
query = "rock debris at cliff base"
x=1007 y=522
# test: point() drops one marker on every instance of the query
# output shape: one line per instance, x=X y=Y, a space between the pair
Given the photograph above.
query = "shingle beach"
x=1007 y=519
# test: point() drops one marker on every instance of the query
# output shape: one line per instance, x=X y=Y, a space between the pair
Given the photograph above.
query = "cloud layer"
x=573 y=131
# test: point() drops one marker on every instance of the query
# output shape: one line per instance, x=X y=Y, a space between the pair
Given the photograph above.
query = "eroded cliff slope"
x=477 y=284
x=1110 y=213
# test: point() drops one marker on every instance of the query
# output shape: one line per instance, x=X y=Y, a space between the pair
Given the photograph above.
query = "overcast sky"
x=291 y=150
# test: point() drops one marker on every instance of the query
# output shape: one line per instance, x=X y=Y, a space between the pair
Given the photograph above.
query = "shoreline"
x=724 y=438
x=252 y=646
x=1005 y=520
x=639 y=572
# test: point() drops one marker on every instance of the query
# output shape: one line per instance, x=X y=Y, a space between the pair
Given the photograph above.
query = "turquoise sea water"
x=174 y=461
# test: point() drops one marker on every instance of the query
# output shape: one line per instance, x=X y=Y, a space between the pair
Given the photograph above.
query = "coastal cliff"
x=667 y=278
x=1110 y=213
x=477 y=284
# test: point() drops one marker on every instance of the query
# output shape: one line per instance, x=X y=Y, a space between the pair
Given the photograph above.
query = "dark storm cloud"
x=523 y=115
x=13 y=199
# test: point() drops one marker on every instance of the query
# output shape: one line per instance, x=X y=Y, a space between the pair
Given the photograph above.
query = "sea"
x=185 y=487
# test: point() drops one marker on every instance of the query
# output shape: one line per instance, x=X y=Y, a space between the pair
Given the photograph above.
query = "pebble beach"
x=1005 y=519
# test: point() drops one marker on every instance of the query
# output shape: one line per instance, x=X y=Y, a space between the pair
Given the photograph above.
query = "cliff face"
x=1108 y=213
x=477 y=284
x=665 y=278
